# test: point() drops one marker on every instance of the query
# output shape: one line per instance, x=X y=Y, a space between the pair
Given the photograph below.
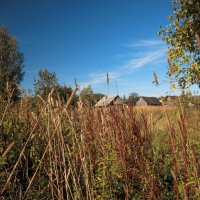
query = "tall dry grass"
x=50 y=150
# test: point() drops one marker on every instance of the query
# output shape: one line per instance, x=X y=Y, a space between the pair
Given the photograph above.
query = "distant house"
x=181 y=100
x=195 y=100
x=148 y=101
x=110 y=101
x=169 y=100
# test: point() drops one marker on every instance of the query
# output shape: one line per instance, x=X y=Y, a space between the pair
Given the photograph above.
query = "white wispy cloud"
x=100 y=77
x=142 y=59
x=130 y=62
x=145 y=43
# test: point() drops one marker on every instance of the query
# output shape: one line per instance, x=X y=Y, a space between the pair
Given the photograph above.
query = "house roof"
x=108 y=100
x=169 y=98
x=152 y=100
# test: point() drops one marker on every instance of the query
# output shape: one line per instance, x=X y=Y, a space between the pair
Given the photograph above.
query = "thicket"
x=51 y=151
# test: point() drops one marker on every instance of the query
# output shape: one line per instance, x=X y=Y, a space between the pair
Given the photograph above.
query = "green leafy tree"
x=132 y=99
x=182 y=38
x=45 y=83
x=11 y=65
x=86 y=95
x=63 y=92
x=89 y=97
x=97 y=97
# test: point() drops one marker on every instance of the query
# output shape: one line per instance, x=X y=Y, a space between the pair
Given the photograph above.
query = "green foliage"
x=11 y=65
x=183 y=42
x=63 y=93
x=89 y=97
x=109 y=176
x=132 y=99
x=45 y=83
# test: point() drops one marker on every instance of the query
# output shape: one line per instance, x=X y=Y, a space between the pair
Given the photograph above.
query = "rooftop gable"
x=109 y=100
x=152 y=100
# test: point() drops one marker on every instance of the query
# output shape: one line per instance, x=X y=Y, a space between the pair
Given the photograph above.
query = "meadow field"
x=49 y=150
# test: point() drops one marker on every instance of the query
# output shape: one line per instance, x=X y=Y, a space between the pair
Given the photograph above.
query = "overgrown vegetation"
x=51 y=151
x=52 y=147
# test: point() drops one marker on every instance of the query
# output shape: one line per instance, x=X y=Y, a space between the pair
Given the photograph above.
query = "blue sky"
x=88 y=38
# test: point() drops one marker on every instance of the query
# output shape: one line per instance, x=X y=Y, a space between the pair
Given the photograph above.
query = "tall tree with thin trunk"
x=11 y=65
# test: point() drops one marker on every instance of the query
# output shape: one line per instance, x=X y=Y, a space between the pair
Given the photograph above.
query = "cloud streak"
x=133 y=62
x=143 y=59
x=100 y=77
x=145 y=43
